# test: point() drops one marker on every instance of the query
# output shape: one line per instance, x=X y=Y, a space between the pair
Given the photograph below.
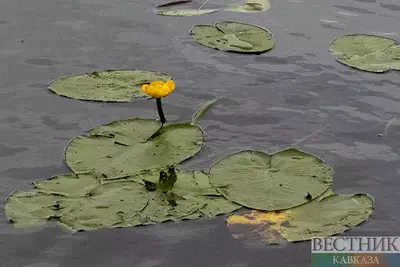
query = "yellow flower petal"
x=157 y=83
x=159 y=89
x=170 y=84
x=152 y=91
x=144 y=87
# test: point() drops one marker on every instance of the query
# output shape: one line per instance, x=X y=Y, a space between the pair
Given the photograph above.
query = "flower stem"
x=160 y=111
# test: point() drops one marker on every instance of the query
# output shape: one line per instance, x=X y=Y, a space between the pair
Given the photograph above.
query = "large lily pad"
x=128 y=147
x=234 y=36
x=367 y=52
x=108 y=86
x=326 y=215
x=279 y=181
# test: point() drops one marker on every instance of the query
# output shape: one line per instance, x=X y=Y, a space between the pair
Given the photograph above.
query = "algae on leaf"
x=234 y=37
x=128 y=147
x=108 y=86
x=327 y=215
x=367 y=52
x=271 y=182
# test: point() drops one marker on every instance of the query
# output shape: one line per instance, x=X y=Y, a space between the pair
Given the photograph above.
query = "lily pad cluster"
x=367 y=52
x=234 y=37
x=123 y=175
x=127 y=173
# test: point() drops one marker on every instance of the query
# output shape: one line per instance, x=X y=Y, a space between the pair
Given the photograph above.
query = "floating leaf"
x=251 y=6
x=107 y=206
x=234 y=36
x=185 y=12
x=283 y=180
x=367 y=52
x=128 y=147
x=68 y=185
x=326 y=215
x=203 y=109
x=111 y=85
x=31 y=208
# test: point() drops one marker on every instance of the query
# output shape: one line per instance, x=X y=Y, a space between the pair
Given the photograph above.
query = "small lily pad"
x=185 y=12
x=107 y=86
x=270 y=182
x=234 y=37
x=128 y=147
x=31 y=208
x=367 y=52
x=327 y=215
x=251 y=6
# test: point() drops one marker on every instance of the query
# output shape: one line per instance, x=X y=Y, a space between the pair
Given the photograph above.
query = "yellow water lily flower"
x=159 y=89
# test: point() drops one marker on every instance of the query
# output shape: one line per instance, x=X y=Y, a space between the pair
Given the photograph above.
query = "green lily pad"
x=68 y=185
x=128 y=147
x=185 y=12
x=107 y=86
x=327 y=215
x=194 y=197
x=367 y=52
x=283 y=180
x=31 y=208
x=107 y=206
x=234 y=37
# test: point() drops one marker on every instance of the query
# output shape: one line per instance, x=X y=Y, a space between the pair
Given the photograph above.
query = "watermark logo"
x=354 y=251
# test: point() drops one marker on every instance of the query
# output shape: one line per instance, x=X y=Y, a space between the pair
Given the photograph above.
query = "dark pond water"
x=271 y=101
